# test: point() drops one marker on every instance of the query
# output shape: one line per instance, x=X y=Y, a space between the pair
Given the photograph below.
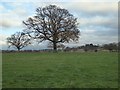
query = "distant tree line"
x=111 y=47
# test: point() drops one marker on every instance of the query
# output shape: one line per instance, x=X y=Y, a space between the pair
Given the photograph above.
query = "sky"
x=98 y=20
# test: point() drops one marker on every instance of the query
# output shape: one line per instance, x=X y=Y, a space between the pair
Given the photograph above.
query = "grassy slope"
x=83 y=70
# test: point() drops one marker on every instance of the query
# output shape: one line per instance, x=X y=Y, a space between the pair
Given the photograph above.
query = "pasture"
x=60 y=70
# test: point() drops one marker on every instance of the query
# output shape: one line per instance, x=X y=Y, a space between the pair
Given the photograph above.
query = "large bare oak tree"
x=54 y=24
x=18 y=40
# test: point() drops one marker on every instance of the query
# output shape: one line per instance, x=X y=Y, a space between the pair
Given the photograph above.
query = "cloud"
x=20 y=12
x=10 y=22
x=13 y=17
x=100 y=32
x=92 y=9
x=96 y=7
x=99 y=21
x=3 y=39
x=2 y=8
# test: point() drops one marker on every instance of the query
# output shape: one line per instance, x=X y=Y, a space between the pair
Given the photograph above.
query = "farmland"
x=60 y=70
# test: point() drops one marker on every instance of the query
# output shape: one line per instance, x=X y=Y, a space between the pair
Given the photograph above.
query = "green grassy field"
x=60 y=70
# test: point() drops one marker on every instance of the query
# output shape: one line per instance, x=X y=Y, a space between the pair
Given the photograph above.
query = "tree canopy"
x=18 y=40
x=54 y=24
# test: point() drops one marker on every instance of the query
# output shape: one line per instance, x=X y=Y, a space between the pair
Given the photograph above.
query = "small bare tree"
x=18 y=40
x=54 y=24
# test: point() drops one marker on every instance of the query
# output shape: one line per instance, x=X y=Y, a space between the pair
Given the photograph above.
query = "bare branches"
x=54 y=24
x=19 y=40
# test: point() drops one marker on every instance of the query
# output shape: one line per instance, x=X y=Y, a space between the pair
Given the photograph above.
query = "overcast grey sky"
x=98 y=20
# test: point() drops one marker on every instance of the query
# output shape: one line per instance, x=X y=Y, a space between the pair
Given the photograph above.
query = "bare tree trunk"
x=18 y=49
x=55 y=46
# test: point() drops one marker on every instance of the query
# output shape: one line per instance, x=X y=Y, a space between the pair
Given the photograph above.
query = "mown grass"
x=60 y=70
